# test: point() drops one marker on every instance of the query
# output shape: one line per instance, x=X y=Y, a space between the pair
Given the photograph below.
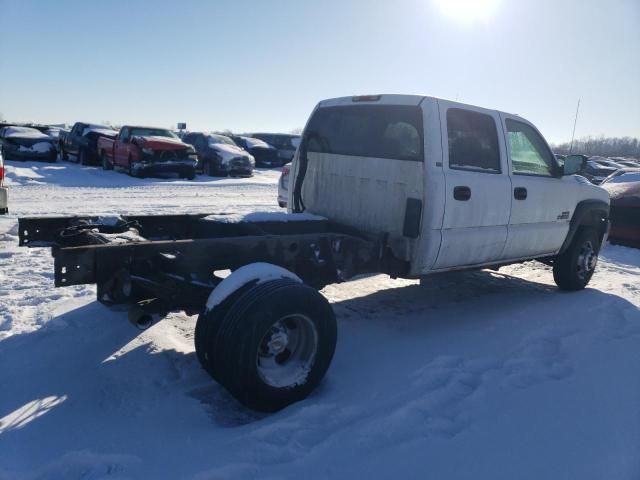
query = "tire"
x=190 y=174
x=573 y=268
x=207 y=169
x=269 y=344
x=106 y=164
x=131 y=171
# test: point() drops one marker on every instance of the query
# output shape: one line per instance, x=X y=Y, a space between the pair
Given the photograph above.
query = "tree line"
x=601 y=146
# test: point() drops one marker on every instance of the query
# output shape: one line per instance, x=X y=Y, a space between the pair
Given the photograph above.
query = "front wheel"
x=573 y=268
x=270 y=345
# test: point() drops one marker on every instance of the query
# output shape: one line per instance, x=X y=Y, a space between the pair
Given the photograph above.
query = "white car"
x=283 y=186
x=4 y=201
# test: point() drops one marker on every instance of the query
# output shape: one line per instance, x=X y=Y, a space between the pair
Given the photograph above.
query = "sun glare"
x=468 y=10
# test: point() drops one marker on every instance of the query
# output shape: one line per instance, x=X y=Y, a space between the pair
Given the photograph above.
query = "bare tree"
x=602 y=146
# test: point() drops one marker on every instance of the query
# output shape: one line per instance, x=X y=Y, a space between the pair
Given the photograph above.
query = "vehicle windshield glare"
x=627 y=177
x=152 y=132
x=255 y=142
x=213 y=139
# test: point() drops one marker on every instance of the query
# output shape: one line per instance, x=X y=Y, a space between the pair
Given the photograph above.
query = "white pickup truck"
x=454 y=186
x=404 y=185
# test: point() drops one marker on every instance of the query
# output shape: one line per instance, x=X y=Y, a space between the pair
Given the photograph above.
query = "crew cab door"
x=477 y=187
x=542 y=200
x=70 y=143
x=121 y=148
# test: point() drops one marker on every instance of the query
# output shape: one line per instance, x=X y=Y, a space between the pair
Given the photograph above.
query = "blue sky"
x=263 y=65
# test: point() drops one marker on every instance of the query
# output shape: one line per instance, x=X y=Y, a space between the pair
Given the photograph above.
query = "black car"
x=285 y=143
x=82 y=142
x=592 y=170
x=25 y=143
x=265 y=155
x=219 y=155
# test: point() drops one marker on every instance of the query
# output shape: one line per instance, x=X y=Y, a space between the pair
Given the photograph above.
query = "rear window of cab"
x=379 y=131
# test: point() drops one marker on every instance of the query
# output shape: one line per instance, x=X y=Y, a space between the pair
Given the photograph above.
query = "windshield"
x=220 y=139
x=627 y=177
x=282 y=142
x=152 y=132
x=255 y=142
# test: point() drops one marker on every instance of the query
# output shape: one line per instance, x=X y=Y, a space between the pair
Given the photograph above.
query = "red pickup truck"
x=145 y=150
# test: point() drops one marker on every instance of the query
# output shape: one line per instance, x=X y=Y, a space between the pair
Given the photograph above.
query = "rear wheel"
x=573 y=268
x=270 y=344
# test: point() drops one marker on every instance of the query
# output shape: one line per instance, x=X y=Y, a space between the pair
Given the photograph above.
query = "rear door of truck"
x=477 y=186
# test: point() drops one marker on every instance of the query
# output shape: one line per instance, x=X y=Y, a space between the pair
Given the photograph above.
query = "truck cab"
x=449 y=185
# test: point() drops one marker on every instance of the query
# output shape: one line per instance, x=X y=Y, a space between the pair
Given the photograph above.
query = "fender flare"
x=588 y=213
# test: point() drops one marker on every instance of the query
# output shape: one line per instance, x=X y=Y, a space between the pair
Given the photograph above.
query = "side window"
x=473 y=141
x=529 y=154
x=124 y=134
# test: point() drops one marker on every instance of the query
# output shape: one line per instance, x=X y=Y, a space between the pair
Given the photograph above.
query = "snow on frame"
x=265 y=217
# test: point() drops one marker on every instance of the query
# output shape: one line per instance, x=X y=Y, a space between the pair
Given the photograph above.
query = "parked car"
x=219 y=155
x=626 y=162
x=624 y=189
x=283 y=186
x=25 y=143
x=591 y=170
x=264 y=154
x=286 y=144
x=4 y=194
x=82 y=142
x=606 y=162
x=141 y=151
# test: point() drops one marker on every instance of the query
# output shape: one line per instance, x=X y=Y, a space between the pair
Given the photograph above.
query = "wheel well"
x=589 y=213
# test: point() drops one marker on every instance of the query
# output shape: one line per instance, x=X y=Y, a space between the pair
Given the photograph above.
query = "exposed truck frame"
x=157 y=264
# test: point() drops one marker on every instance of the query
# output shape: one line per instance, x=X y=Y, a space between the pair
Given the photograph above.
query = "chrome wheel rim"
x=586 y=261
x=287 y=351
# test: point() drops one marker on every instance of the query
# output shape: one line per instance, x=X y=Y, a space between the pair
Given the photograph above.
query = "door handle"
x=462 y=193
x=520 y=193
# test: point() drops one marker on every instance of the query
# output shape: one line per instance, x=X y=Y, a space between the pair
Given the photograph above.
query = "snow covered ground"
x=479 y=375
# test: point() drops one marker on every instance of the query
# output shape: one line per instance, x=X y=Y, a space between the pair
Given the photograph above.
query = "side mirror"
x=572 y=165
